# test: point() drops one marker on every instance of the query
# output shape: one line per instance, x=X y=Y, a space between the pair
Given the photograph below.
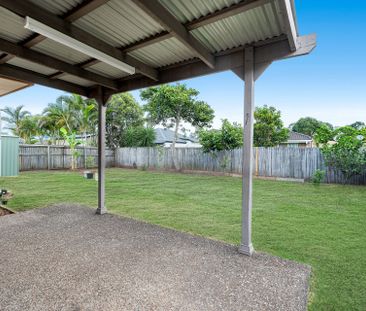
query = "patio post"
x=246 y=246
x=102 y=105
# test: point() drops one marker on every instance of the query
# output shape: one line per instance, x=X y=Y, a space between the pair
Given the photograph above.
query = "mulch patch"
x=4 y=211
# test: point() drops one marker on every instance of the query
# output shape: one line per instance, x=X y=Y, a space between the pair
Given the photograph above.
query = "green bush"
x=318 y=177
x=139 y=137
x=89 y=162
x=344 y=149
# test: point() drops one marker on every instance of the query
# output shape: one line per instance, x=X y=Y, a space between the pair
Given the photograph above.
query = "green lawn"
x=324 y=226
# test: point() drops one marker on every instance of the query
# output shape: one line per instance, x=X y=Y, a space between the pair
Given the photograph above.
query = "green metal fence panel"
x=9 y=155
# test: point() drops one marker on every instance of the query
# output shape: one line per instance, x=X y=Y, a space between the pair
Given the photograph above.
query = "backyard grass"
x=323 y=226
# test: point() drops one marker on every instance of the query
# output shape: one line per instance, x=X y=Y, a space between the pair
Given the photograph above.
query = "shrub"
x=89 y=162
x=344 y=149
x=318 y=177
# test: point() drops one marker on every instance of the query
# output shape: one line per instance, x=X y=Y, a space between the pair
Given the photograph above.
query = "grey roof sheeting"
x=163 y=135
x=299 y=137
x=123 y=23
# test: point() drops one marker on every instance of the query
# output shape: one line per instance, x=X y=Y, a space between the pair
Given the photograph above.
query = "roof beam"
x=14 y=72
x=227 y=60
x=54 y=63
x=232 y=10
x=25 y=8
x=85 y=64
x=83 y=9
x=161 y=15
x=147 y=41
x=79 y=11
x=289 y=21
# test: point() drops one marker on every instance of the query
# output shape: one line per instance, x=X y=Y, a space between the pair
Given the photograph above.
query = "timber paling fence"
x=38 y=157
x=298 y=163
x=281 y=162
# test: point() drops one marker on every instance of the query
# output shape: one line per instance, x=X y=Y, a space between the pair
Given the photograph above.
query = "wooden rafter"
x=51 y=62
x=265 y=52
x=14 y=72
x=232 y=10
x=161 y=15
x=77 y=12
x=25 y=8
x=289 y=21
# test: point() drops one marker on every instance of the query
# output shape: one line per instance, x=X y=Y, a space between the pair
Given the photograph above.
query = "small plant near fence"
x=318 y=177
x=73 y=143
x=90 y=162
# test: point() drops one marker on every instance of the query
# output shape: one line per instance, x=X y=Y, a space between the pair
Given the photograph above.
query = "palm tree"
x=49 y=128
x=14 y=117
x=86 y=114
x=62 y=113
x=28 y=129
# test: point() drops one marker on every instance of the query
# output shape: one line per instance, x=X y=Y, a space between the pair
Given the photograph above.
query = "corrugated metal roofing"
x=119 y=22
x=76 y=80
x=60 y=51
x=107 y=70
x=188 y=10
x=164 y=53
x=58 y=7
x=12 y=26
x=19 y=62
x=251 y=26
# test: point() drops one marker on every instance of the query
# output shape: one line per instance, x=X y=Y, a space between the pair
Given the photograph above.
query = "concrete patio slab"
x=67 y=258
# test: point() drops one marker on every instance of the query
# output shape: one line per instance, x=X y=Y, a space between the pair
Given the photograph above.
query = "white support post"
x=101 y=153
x=246 y=246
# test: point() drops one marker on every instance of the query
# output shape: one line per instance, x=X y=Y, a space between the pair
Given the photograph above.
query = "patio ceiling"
x=165 y=41
x=8 y=86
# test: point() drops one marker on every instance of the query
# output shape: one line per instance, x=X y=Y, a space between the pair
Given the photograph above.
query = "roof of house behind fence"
x=299 y=136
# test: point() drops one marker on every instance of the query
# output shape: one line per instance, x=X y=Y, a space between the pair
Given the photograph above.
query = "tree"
x=87 y=115
x=139 y=137
x=70 y=138
x=268 y=127
x=229 y=137
x=28 y=129
x=14 y=117
x=62 y=113
x=308 y=126
x=344 y=149
x=49 y=128
x=123 y=112
x=171 y=105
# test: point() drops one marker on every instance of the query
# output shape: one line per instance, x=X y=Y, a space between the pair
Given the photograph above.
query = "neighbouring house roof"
x=163 y=135
x=298 y=137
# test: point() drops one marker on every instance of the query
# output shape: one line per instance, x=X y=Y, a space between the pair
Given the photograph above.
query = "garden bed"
x=5 y=211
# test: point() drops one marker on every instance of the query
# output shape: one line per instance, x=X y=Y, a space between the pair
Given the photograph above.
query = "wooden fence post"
x=48 y=158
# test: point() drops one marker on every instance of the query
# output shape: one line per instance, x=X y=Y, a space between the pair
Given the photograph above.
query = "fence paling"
x=299 y=163
x=38 y=157
x=268 y=162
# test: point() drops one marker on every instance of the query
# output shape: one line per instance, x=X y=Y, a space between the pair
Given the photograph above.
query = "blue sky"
x=329 y=84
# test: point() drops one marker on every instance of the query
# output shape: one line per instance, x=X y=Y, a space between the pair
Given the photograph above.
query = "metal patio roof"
x=151 y=42
x=166 y=40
